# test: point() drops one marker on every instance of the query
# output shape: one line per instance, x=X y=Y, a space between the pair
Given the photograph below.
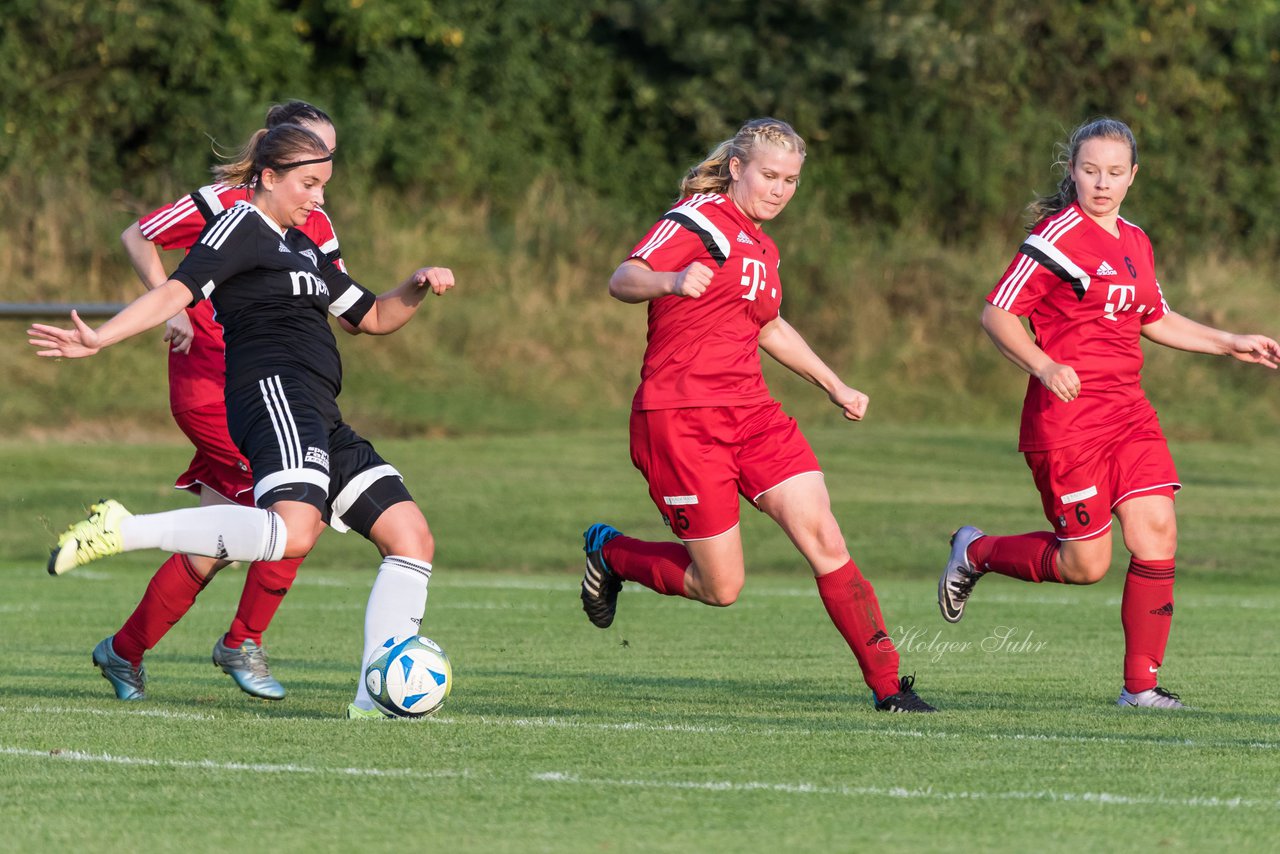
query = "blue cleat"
x=248 y=667
x=130 y=682
x=600 y=585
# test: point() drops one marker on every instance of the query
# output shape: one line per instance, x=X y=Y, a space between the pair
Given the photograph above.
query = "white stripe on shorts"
x=282 y=421
x=279 y=478
x=354 y=489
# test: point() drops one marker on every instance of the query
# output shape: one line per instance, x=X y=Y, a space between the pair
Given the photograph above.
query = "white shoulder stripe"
x=177 y=212
x=210 y=196
x=1007 y=291
x=217 y=235
x=329 y=245
x=660 y=236
x=698 y=217
x=1059 y=257
x=1069 y=220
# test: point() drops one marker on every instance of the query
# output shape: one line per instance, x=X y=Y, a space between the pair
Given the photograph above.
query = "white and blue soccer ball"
x=408 y=677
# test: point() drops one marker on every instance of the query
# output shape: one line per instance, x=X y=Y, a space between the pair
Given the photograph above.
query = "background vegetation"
x=529 y=144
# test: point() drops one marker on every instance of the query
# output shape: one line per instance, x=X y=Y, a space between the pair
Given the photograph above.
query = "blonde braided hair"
x=712 y=174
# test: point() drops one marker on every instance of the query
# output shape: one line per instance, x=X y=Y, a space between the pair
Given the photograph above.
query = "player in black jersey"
x=273 y=289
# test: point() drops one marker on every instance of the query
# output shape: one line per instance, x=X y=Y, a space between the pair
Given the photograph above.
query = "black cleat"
x=906 y=700
x=599 y=585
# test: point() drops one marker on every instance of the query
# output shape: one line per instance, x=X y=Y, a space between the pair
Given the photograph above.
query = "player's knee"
x=299 y=544
x=830 y=540
x=414 y=540
x=1086 y=570
x=722 y=595
x=1157 y=538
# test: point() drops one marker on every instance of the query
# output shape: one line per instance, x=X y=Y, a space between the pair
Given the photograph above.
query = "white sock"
x=224 y=531
x=396 y=604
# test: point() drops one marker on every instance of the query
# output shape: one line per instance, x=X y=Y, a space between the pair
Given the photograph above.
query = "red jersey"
x=196 y=377
x=1088 y=295
x=705 y=351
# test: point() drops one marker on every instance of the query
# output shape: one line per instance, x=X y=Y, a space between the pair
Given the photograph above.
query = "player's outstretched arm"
x=1006 y=332
x=635 y=281
x=787 y=346
x=394 y=308
x=1183 y=333
x=147 y=311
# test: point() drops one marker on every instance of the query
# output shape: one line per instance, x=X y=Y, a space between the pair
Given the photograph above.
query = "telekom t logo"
x=1119 y=297
x=752 y=277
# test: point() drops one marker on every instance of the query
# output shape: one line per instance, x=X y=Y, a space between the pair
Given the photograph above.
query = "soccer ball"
x=408 y=677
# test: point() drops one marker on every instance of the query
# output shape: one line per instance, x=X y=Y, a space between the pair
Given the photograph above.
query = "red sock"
x=852 y=605
x=265 y=585
x=1030 y=557
x=658 y=566
x=170 y=594
x=1146 y=612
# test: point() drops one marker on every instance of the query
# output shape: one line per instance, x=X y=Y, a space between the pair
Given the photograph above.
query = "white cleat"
x=960 y=575
x=1153 y=698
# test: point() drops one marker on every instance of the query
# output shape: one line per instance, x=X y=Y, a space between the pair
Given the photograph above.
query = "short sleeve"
x=668 y=247
x=351 y=300
x=177 y=225
x=227 y=247
x=1161 y=308
x=1024 y=284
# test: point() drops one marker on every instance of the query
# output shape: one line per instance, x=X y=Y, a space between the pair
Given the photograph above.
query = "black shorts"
x=300 y=450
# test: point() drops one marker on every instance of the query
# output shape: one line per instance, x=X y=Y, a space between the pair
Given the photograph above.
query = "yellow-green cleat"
x=90 y=539
x=355 y=713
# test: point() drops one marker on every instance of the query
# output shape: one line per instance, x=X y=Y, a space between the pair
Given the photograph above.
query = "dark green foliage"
x=919 y=112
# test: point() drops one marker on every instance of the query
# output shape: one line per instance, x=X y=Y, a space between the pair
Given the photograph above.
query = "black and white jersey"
x=271 y=290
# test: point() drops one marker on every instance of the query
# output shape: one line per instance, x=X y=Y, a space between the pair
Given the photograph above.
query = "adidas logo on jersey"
x=1105 y=270
x=282 y=247
x=742 y=238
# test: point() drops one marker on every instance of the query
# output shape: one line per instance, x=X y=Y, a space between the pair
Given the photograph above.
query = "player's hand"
x=1256 y=349
x=851 y=401
x=1061 y=380
x=70 y=343
x=692 y=281
x=178 y=332
x=439 y=279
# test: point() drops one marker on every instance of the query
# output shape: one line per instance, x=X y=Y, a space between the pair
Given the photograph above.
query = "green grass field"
x=682 y=728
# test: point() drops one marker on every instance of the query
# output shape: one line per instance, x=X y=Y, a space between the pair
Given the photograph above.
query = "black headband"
x=284 y=166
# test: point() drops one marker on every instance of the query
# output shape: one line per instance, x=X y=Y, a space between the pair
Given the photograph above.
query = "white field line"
x=212 y=765
x=927 y=793
x=635 y=726
x=131 y=713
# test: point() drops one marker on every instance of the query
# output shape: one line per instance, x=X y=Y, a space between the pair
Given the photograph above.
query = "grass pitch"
x=682 y=728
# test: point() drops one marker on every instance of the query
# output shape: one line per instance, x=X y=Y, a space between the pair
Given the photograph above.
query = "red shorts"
x=698 y=461
x=1081 y=485
x=217 y=464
